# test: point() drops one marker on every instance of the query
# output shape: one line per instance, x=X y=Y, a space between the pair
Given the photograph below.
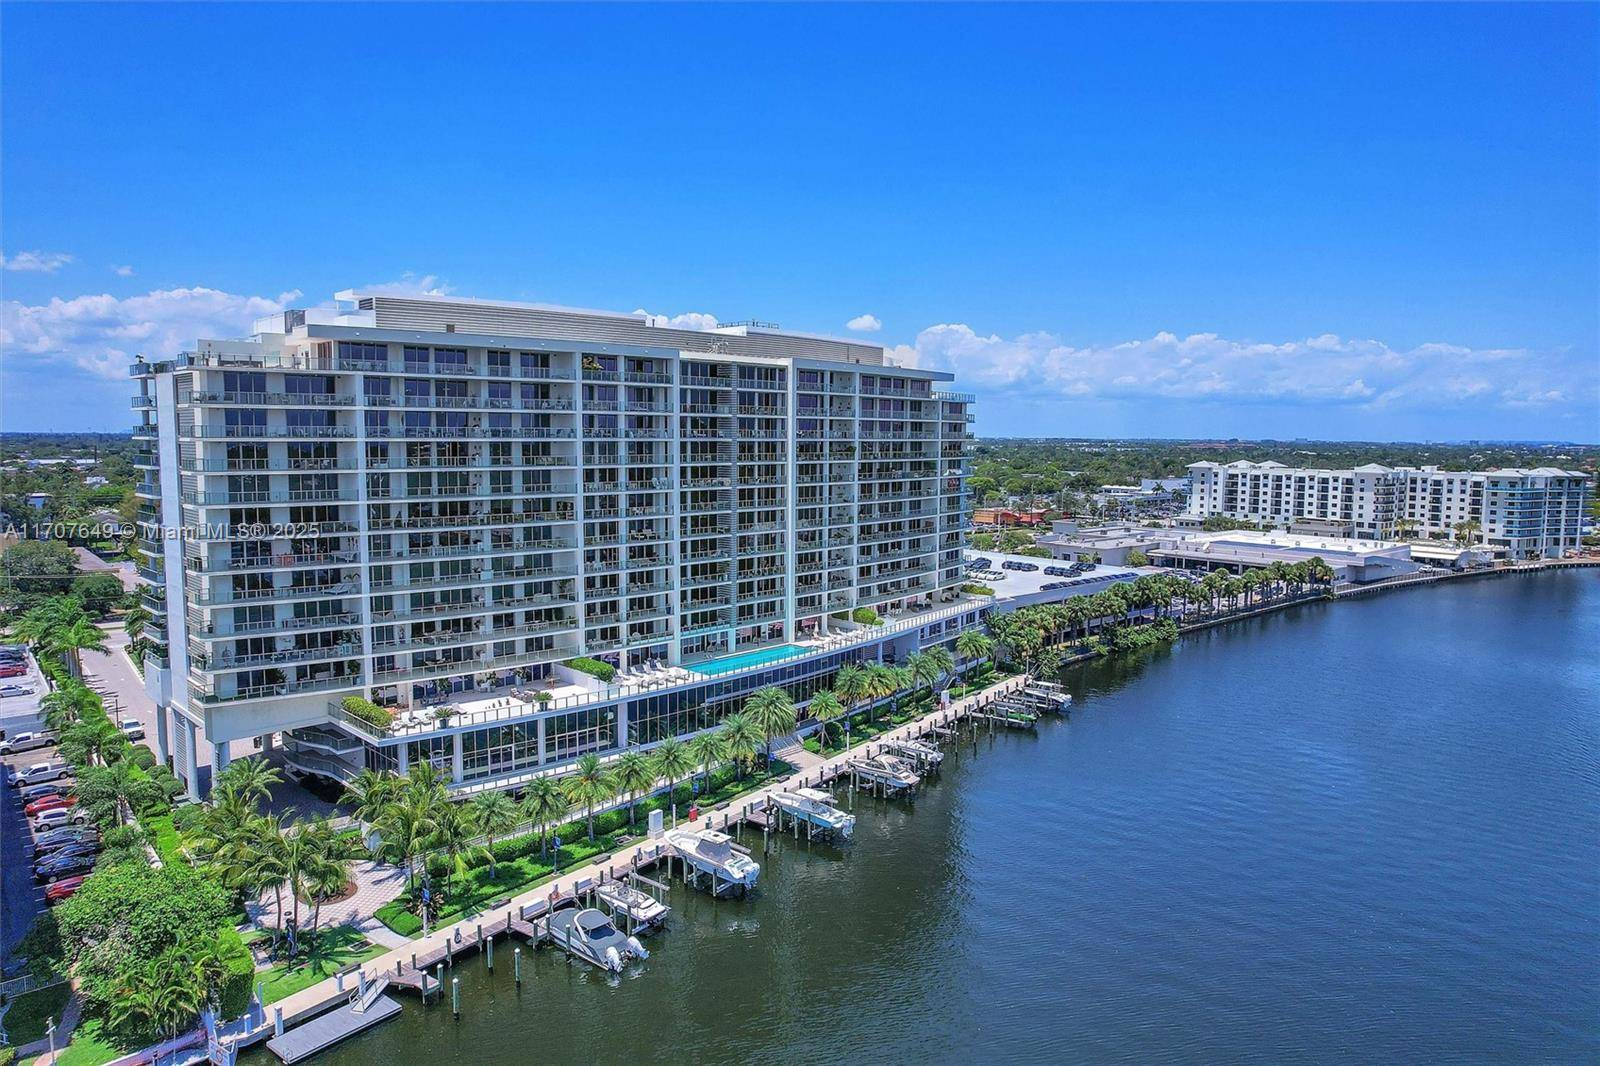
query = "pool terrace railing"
x=514 y=702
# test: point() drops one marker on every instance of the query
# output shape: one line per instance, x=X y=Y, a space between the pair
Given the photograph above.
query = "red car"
x=12 y=670
x=56 y=891
x=49 y=803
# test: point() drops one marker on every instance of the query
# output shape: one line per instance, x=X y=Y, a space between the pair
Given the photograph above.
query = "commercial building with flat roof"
x=437 y=504
x=1351 y=560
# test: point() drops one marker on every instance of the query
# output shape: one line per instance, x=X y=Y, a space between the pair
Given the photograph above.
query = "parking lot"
x=20 y=897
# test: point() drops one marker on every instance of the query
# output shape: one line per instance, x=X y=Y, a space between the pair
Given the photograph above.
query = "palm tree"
x=741 y=739
x=707 y=749
x=406 y=827
x=68 y=704
x=771 y=710
x=496 y=813
x=545 y=804
x=852 y=685
x=671 y=759
x=264 y=853
x=454 y=827
x=884 y=681
x=134 y=621
x=250 y=778
x=974 y=645
x=825 y=708
x=71 y=641
x=633 y=773
x=590 y=784
x=944 y=663
x=95 y=738
x=369 y=793
x=324 y=864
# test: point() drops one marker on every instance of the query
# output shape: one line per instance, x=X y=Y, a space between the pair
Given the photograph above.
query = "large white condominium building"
x=437 y=504
x=1531 y=513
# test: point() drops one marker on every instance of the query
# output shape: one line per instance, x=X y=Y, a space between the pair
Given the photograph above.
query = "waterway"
x=1364 y=831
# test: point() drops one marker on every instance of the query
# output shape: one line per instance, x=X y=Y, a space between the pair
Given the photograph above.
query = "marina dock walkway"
x=442 y=945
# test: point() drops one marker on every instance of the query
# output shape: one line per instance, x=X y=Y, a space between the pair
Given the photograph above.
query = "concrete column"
x=543 y=754
x=191 y=767
x=220 y=760
x=403 y=758
x=163 y=736
x=622 y=724
x=457 y=770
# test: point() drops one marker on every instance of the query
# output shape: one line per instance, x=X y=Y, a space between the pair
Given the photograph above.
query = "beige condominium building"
x=1530 y=513
x=439 y=504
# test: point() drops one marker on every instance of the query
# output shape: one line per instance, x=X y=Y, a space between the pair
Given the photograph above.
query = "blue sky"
x=1349 y=221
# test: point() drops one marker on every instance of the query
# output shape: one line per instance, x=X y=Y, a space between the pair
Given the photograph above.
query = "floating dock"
x=326 y=1030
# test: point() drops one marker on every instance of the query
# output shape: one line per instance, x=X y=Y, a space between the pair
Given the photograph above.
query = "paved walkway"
x=376 y=884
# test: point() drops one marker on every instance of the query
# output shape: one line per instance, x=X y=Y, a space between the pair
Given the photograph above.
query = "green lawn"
x=334 y=949
x=30 y=1012
x=89 y=1047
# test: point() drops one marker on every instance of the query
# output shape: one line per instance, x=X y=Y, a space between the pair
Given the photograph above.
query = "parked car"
x=15 y=690
x=58 y=817
x=27 y=742
x=57 y=839
x=131 y=728
x=50 y=788
x=38 y=772
x=48 y=803
x=61 y=855
x=13 y=669
x=66 y=866
x=56 y=891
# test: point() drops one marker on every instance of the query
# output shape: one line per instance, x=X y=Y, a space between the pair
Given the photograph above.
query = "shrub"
x=972 y=588
x=542 y=696
x=593 y=667
x=866 y=616
x=142 y=757
x=185 y=818
x=239 y=972
x=364 y=710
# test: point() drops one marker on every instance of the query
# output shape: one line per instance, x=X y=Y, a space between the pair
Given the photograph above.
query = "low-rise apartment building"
x=1531 y=514
x=436 y=504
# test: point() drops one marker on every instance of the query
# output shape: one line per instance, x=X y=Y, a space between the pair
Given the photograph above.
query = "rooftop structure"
x=436 y=504
x=1352 y=560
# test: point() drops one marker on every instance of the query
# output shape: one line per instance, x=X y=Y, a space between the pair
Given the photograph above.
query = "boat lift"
x=886 y=773
x=638 y=909
x=812 y=808
x=925 y=757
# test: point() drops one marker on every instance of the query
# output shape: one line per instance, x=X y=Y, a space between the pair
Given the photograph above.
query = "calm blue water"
x=729 y=663
x=1356 y=832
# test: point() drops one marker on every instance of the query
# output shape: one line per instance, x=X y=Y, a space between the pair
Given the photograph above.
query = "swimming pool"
x=745 y=660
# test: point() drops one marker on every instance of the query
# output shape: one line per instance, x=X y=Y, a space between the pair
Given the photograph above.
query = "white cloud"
x=864 y=324
x=1204 y=367
x=409 y=284
x=35 y=262
x=689 y=320
x=122 y=271
x=101 y=334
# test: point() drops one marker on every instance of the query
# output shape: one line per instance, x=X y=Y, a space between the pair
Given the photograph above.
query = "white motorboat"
x=642 y=910
x=917 y=752
x=710 y=852
x=589 y=934
x=815 y=807
x=889 y=770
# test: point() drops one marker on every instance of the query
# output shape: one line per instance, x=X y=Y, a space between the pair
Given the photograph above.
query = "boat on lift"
x=887 y=770
x=588 y=934
x=707 y=851
x=642 y=911
x=925 y=756
x=815 y=807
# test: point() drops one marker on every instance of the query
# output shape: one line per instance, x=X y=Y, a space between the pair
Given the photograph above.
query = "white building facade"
x=1532 y=514
x=439 y=502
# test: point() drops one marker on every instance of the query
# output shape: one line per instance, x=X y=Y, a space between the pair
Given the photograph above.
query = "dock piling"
x=516 y=965
x=455 y=997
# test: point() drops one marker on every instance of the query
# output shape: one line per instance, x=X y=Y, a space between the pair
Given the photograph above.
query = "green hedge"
x=363 y=709
x=593 y=667
x=866 y=616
